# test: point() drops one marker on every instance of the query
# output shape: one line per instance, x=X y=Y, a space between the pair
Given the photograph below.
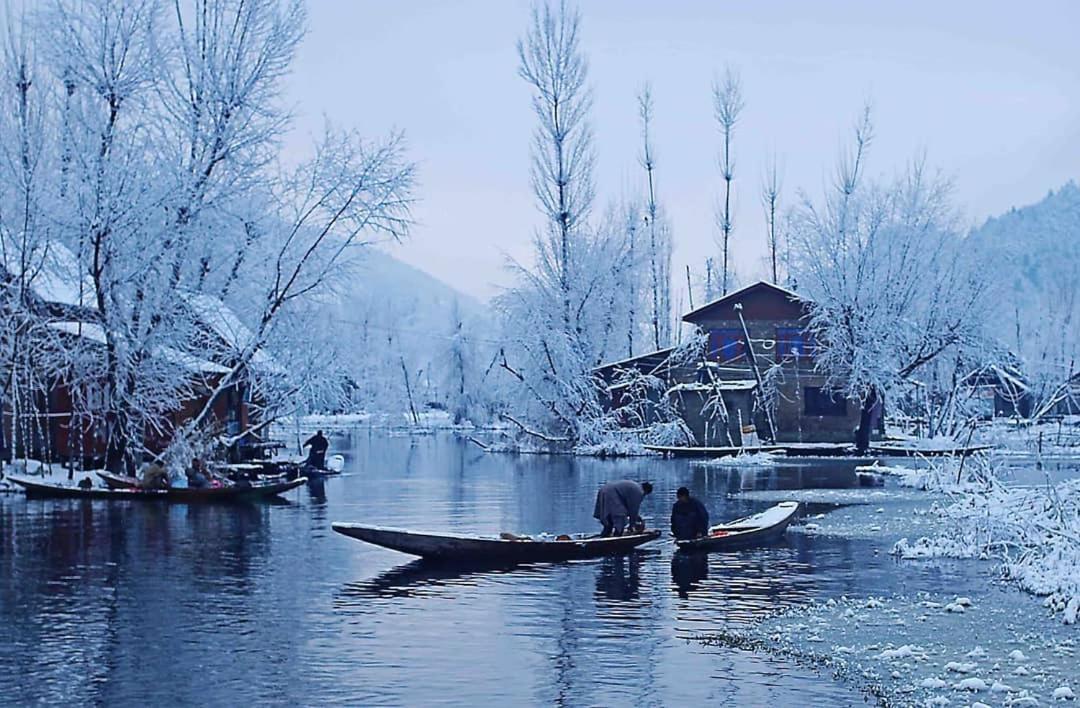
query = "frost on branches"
x=892 y=285
x=1034 y=533
x=581 y=302
x=146 y=137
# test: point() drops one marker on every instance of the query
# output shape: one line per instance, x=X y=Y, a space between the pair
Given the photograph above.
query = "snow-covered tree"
x=158 y=139
x=659 y=231
x=770 y=204
x=892 y=285
x=728 y=105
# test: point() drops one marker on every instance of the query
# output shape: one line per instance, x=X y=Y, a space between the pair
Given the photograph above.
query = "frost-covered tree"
x=892 y=286
x=770 y=204
x=728 y=105
x=659 y=232
x=159 y=140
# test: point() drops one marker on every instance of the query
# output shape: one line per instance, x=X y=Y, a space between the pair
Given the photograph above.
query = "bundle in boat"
x=506 y=548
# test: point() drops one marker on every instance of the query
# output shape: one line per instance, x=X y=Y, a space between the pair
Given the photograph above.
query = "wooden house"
x=63 y=418
x=756 y=376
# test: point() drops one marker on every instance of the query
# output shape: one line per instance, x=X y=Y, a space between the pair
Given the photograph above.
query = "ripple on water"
x=135 y=604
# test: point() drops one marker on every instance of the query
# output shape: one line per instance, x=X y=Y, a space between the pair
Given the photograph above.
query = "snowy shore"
x=982 y=640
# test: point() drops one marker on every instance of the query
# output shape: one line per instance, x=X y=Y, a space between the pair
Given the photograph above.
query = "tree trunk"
x=866 y=422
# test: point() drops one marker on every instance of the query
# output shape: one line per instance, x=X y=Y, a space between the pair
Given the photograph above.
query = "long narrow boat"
x=123 y=481
x=759 y=529
x=41 y=488
x=516 y=549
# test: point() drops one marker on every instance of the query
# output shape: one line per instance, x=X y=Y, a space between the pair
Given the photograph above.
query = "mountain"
x=1037 y=244
x=1034 y=252
x=379 y=274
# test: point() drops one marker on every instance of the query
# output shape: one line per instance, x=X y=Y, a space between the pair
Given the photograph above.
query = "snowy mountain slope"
x=1035 y=242
x=378 y=275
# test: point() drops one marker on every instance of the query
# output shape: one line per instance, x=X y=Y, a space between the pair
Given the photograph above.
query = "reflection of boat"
x=518 y=549
x=419 y=574
x=765 y=527
x=46 y=489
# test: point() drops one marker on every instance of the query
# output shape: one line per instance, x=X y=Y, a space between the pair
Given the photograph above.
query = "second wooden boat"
x=41 y=488
x=508 y=549
x=756 y=530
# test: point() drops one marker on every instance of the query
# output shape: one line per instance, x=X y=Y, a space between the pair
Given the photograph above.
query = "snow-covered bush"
x=1033 y=532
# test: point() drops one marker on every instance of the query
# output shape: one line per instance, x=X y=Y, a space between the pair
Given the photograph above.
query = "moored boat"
x=42 y=488
x=759 y=529
x=507 y=548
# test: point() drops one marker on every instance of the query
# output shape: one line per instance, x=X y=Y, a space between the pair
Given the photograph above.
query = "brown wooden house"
x=57 y=418
x=756 y=374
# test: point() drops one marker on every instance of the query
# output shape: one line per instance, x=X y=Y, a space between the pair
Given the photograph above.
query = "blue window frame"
x=726 y=344
x=793 y=343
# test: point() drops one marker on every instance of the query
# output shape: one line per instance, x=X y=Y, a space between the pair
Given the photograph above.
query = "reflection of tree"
x=97 y=590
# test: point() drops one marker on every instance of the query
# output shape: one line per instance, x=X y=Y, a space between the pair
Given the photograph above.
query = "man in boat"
x=154 y=477
x=689 y=517
x=618 y=504
x=198 y=477
x=317 y=455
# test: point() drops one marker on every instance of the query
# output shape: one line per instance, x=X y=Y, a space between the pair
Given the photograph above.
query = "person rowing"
x=618 y=505
x=689 y=517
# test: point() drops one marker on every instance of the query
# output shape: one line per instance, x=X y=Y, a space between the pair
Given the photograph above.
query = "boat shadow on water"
x=616 y=576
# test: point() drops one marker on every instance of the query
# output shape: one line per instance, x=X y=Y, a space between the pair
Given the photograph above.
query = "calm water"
x=121 y=603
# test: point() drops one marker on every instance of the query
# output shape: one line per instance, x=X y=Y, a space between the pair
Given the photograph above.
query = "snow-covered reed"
x=1034 y=532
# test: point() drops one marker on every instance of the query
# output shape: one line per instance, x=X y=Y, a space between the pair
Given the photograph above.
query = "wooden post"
x=757 y=374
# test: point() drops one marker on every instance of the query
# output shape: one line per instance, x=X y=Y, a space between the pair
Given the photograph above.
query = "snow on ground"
x=753 y=459
x=52 y=473
x=1033 y=532
x=1051 y=439
x=428 y=419
x=931 y=649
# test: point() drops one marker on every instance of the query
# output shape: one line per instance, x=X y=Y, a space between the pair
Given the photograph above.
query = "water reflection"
x=145 y=604
x=687 y=570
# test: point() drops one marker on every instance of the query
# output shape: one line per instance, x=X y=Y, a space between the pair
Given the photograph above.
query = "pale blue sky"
x=988 y=89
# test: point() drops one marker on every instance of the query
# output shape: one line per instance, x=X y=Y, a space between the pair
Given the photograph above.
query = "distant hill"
x=1035 y=255
x=379 y=275
x=1040 y=242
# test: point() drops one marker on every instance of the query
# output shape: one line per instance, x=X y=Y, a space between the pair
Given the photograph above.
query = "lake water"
x=127 y=603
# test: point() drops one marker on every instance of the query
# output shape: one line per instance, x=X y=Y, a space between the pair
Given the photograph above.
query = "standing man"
x=317 y=455
x=689 y=517
x=618 y=504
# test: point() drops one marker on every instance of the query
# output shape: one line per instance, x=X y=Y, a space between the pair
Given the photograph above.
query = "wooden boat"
x=123 y=481
x=40 y=488
x=506 y=549
x=766 y=527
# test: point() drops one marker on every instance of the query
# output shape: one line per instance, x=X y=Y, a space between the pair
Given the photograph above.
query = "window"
x=726 y=344
x=793 y=343
x=818 y=401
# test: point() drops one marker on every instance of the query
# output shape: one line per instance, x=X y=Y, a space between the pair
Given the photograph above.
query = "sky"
x=989 y=91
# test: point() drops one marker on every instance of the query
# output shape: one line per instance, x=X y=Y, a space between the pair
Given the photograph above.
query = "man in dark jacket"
x=689 y=517
x=317 y=455
x=618 y=505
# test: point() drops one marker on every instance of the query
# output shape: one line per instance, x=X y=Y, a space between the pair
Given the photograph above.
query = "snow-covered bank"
x=928 y=649
x=1049 y=439
x=1033 y=532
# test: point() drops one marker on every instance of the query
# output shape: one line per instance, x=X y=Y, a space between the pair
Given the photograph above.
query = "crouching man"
x=618 y=505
